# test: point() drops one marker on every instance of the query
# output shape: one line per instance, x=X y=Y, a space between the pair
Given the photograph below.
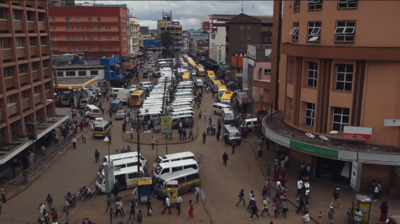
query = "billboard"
x=355 y=132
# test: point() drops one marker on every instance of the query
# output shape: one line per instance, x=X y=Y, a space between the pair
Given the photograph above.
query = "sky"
x=189 y=13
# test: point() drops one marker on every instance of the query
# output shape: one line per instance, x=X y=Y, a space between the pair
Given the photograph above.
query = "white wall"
x=217 y=45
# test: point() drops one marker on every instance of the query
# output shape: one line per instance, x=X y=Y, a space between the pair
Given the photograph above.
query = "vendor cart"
x=145 y=187
x=172 y=191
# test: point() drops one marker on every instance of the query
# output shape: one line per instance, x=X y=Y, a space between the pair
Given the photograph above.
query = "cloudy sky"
x=189 y=13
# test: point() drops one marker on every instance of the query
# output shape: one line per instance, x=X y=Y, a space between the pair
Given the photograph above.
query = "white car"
x=120 y=114
x=98 y=120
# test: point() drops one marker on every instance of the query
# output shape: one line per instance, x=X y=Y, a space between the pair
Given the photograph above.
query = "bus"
x=192 y=64
x=215 y=83
x=127 y=178
x=186 y=76
x=227 y=97
x=102 y=129
x=200 y=70
x=221 y=90
x=137 y=98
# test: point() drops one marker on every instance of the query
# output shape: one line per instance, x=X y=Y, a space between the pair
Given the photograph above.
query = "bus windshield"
x=134 y=97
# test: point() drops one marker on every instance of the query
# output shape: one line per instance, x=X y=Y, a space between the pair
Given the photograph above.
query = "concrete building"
x=173 y=27
x=198 y=44
x=217 y=45
x=133 y=34
x=26 y=82
x=339 y=69
x=96 y=30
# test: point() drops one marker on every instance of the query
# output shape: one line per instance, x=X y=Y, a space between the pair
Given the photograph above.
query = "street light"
x=107 y=140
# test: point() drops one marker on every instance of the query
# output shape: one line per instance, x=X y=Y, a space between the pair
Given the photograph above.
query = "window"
x=267 y=71
x=347 y=4
x=98 y=19
x=340 y=118
x=79 y=49
x=100 y=48
x=78 y=28
x=43 y=41
x=32 y=41
x=22 y=69
x=25 y=95
x=310 y=112
x=77 y=19
x=47 y=86
x=70 y=73
x=69 y=38
x=3 y=13
x=45 y=63
x=54 y=28
x=91 y=28
x=35 y=66
x=11 y=99
x=81 y=73
x=174 y=169
x=100 y=37
x=344 y=31
x=67 y=19
x=295 y=31
x=29 y=16
x=42 y=17
x=36 y=90
x=315 y=5
x=60 y=74
x=94 y=72
x=20 y=42
x=16 y=15
x=312 y=74
x=8 y=72
x=296 y=6
x=5 y=43
x=53 y=19
x=344 y=77
x=90 y=19
x=314 y=31
x=99 y=28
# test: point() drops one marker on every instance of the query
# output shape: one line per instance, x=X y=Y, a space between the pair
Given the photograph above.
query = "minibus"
x=181 y=113
x=188 y=180
x=221 y=90
x=182 y=109
x=184 y=94
x=126 y=177
x=174 y=166
x=123 y=163
x=181 y=104
x=125 y=155
x=175 y=120
x=227 y=97
x=115 y=105
x=173 y=157
x=214 y=84
x=102 y=129
x=228 y=115
x=218 y=107
x=93 y=111
x=137 y=98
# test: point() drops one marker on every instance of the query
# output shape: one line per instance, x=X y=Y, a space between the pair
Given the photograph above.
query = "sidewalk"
x=321 y=193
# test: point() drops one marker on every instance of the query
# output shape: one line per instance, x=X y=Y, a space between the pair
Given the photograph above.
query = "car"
x=120 y=114
x=199 y=83
x=193 y=73
x=98 y=120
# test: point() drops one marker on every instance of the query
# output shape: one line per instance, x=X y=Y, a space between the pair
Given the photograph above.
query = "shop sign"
x=355 y=132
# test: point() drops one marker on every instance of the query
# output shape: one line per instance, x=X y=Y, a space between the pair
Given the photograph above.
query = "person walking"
x=74 y=141
x=241 y=198
x=306 y=218
x=204 y=137
x=336 y=197
x=153 y=142
x=49 y=201
x=110 y=114
x=132 y=211
x=299 y=186
x=191 y=207
x=191 y=134
x=357 y=216
x=108 y=204
x=254 y=211
x=167 y=206
x=264 y=207
x=178 y=203
x=118 y=208
x=25 y=175
x=149 y=208
x=43 y=151
x=83 y=136
x=384 y=211
x=233 y=147
x=96 y=155
x=331 y=215
x=139 y=217
x=197 y=193
x=275 y=207
x=285 y=208
x=225 y=158
x=54 y=215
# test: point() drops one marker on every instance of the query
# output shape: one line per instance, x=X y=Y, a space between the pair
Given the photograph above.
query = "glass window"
x=344 y=31
x=314 y=31
x=344 y=77
x=70 y=73
x=29 y=16
x=81 y=73
x=295 y=31
x=8 y=72
x=98 y=19
x=94 y=72
x=43 y=41
x=60 y=74
x=310 y=113
x=16 y=15
x=312 y=74
x=296 y=6
x=347 y=4
x=25 y=94
x=77 y=19
x=32 y=41
x=5 y=42
x=35 y=66
x=314 y=5
x=67 y=19
x=45 y=63
x=22 y=69
x=174 y=169
x=3 y=13
x=20 y=42
x=340 y=118
x=90 y=19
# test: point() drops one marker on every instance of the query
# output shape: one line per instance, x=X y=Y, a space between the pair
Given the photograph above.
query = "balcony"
x=20 y=52
x=33 y=52
x=37 y=99
x=10 y=82
x=45 y=49
x=25 y=104
x=48 y=94
x=35 y=76
x=4 y=26
x=12 y=109
x=23 y=79
x=42 y=26
x=7 y=54
x=31 y=26
x=18 y=26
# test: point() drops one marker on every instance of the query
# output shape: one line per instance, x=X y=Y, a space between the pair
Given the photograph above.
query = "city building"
x=98 y=31
x=173 y=27
x=26 y=81
x=338 y=90
x=133 y=35
x=198 y=44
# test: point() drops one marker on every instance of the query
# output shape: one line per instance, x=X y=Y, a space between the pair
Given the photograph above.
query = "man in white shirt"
x=299 y=186
x=167 y=206
x=357 y=216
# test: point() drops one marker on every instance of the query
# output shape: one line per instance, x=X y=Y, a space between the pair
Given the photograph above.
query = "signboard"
x=245 y=81
x=355 y=132
x=251 y=51
x=251 y=62
x=166 y=125
x=391 y=122
x=355 y=177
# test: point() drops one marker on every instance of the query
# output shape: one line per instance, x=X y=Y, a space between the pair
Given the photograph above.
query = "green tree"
x=167 y=41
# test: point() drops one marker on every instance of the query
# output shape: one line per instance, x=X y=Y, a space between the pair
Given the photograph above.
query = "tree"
x=166 y=40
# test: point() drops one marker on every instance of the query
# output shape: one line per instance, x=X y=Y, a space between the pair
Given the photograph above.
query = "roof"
x=264 y=18
x=75 y=82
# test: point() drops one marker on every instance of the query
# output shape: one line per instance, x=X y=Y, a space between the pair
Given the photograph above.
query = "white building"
x=134 y=29
x=217 y=45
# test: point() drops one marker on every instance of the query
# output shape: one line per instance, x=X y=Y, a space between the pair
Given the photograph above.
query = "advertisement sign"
x=166 y=125
x=245 y=81
x=391 y=122
x=355 y=132
x=251 y=51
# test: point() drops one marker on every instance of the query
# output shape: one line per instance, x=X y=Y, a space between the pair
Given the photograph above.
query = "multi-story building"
x=173 y=27
x=134 y=30
x=198 y=43
x=98 y=31
x=339 y=89
x=26 y=83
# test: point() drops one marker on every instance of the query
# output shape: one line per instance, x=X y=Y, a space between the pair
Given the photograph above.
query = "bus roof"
x=215 y=81
x=222 y=87
x=177 y=174
x=227 y=95
x=138 y=92
x=210 y=72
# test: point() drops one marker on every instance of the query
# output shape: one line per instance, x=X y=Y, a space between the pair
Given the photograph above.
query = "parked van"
x=86 y=101
x=181 y=113
x=123 y=163
x=250 y=124
x=228 y=115
x=114 y=91
x=218 y=107
x=175 y=120
x=184 y=99
x=102 y=129
x=221 y=90
x=93 y=111
x=125 y=155
x=188 y=180
x=126 y=177
x=178 y=109
x=181 y=104
x=233 y=134
x=150 y=115
x=115 y=105
x=173 y=157
x=170 y=167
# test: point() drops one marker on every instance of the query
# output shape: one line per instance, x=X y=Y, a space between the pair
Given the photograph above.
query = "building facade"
x=336 y=72
x=98 y=31
x=134 y=31
x=173 y=27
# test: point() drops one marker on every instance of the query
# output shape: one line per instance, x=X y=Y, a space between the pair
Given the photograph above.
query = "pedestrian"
x=210 y=119
x=251 y=199
x=191 y=207
x=178 y=203
x=226 y=138
x=205 y=116
x=149 y=208
x=109 y=138
x=275 y=207
x=225 y=158
x=264 y=207
x=200 y=114
x=25 y=175
x=43 y=151
x=336 y=197
x=108 y=204
x=118 y=208
x=110 y=114
x=299 y=186
x=241 y=198
x=254 y=211
x=197 y=193
x=167 y=205
x=131 y=132
x=153 y=142
x=139 y=218
x=285 y=208
x=184 y=134
x=54 y=215
x=3 y=194
x=49 y=201
x=384 y=211
x=218 y=134
x=204 y=137
x=259 y=149
x=84 y=137
x=331 y=215
x=233 y=147
x=56 y=140
x=42 y=208
x=191 y=134
x=306 y=218
x=132 y=211
x=96 y=156
x=357 y=216
x=91 y=126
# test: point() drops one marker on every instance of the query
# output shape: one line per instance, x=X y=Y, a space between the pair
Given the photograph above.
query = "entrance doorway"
x=332 y=170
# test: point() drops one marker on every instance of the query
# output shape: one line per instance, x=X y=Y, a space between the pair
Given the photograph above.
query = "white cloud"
x=152 y=24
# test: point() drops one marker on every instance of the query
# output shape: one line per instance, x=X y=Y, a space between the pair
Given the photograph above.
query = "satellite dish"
x=323 y=138
x=310 y=135
x=315 y=38
x=333 y=132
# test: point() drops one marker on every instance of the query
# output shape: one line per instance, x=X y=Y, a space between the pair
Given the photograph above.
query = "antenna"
x=242 y=6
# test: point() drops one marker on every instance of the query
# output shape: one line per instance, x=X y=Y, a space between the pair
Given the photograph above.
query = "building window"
x=25 y=95
x=296 y=6
x=310 y=113
x=69 y=37
x=5 y=43
x=53 y=19
x=8 y=72
x=32 y=41
x=16 y=15
x=3 y=14
x=81 y=73
x=315 y=5
x=100 y=37
x=344 y=31
x=267 y=71
x=77 y=19
x=22 y=69
x=90 y=19
x=340 y=118
x=91 y=28
x=78 y=28
x=79 y=49
x=19 y=41
x=45 y=63
x=347 y=4
x=47 y=86
x=11 y=99
x=43 y=41
x=60 y=74
x=35 y=66
x=67 y=19
x=70 y=73
x=98 y=19
x=100 y=48
x=41 y=17
x=30 y=16
x=314 y=31
x=344 y=77
x=54 y=28
x=36 y=90
x=312 y=76
x=295 y=31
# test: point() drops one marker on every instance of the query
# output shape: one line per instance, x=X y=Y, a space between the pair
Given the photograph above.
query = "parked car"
x=120 y=114
x=98 y=120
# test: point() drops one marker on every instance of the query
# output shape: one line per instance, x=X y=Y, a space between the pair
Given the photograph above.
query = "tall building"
x=97 y=30
x=26 y=83
x=339 y=90
x=173 y=27
x=134 y=31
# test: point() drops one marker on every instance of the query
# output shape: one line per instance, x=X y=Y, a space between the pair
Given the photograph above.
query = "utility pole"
x=138 y=151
